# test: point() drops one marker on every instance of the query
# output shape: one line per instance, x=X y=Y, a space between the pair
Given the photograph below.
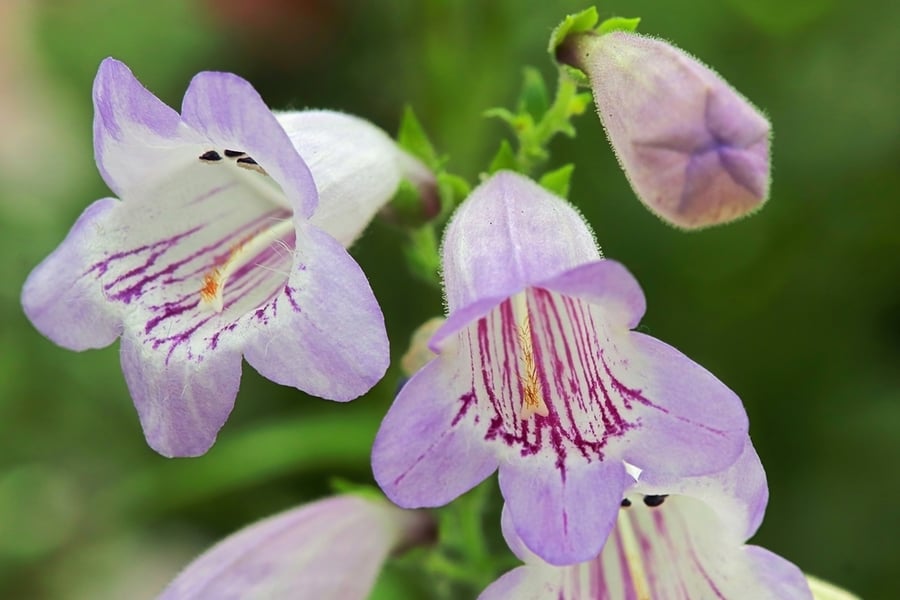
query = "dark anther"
x=246 y=161
x=654 y=500
x=234 y=153
x=626 y=502
x=212 y=155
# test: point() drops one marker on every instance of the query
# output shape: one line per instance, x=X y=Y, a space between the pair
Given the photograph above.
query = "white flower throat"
x=249 y=247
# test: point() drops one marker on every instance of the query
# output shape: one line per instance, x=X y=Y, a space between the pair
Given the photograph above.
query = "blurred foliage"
x=795 y=308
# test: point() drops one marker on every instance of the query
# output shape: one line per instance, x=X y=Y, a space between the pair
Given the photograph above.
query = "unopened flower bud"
x=695 y=150
x=419 y=354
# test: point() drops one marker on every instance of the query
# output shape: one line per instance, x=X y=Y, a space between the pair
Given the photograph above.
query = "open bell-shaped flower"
x=332 y=548
x=538 y=373
x=695 y=151
x=676 y=540
x=219 y=246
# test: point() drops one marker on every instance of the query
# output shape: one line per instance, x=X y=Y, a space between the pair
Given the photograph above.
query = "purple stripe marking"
x=134 y=285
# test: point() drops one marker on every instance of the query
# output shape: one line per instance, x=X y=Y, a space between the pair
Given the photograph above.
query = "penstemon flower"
x=695 y=151
x=538 y=374
x=681 y=540
x=220 y=247
x=332 y=548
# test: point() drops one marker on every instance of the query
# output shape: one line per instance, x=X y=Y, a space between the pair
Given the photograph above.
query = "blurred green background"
x=797 y=308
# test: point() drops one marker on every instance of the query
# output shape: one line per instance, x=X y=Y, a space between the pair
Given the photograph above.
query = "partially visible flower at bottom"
x=332 y=548
x=682 y=540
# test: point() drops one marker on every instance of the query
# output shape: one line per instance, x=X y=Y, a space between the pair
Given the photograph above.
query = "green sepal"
x=405 y=208
x=413 y=139
x=367 y=491
x=576 y=75
x=504 y=159
x=557 y=181
x=422 y=255
x=618 y=24
x=581 y=22
x=452 y=189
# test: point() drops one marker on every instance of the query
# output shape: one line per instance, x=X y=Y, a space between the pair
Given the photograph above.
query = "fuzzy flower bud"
x=695 y=151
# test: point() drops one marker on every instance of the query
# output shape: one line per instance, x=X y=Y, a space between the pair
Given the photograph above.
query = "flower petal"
x=823 y=590
x=427 y=451
x=137 y=138
x=524 y=235
x=673 y=549
x=524 y=583
x=777 y=576
x=63 y=305
x=182 y=403
x=232 y=115
x=738 y=495
x=684 y=554
x=141 y=265
x=604 y=283
x=157 y=254
x=324 y=332
x=356 y=166
x=563 y=513
x=698 y=425
x=679 y=548
x=332 y=548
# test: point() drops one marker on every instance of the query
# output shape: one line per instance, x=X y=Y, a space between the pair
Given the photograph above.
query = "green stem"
x=532 y=142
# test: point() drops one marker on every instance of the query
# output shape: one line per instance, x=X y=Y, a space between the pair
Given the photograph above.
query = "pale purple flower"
x=220 y=247
x=539 y=374
x=676 y=540
x=332 y=548
x=695 y=151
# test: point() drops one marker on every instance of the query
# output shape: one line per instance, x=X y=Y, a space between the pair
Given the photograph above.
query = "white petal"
x=355 y=165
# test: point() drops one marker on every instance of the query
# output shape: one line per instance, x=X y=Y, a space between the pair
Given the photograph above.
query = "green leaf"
x=534 y=100
x=242 y=460
x=557 y=181
x=578 y=23
x=504 y=114
x=504 y=159
x=395 y=583
x=413 y=139
x=520 y=123
x=618 y=24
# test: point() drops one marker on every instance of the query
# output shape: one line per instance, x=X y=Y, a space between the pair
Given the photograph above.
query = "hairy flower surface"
x=680 y=540
x=538 y=374
x=332 y=548
x=219 y=247
x=695 y=151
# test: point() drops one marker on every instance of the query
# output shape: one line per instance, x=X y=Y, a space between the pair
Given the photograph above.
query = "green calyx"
x=584 y=23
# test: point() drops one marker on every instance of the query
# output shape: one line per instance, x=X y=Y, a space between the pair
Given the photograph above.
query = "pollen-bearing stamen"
x=532 y=397
x=213 y=288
